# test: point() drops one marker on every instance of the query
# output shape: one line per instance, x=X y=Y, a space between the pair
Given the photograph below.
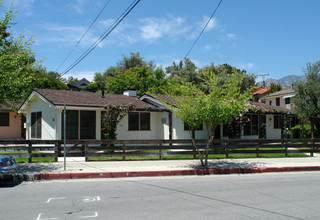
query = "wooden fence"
x=159 y=148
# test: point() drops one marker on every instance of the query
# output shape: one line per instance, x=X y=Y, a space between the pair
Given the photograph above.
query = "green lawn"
x=170 y=157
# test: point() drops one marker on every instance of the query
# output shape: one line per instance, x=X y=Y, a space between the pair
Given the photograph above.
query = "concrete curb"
x=215 y=171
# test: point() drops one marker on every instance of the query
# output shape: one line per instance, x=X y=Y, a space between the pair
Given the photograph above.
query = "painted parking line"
x=40 y=218
x=92 y=216
x=57 y=200
x=91 y=199
x=51 y=199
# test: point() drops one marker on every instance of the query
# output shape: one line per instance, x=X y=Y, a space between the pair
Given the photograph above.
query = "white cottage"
x=148 y=119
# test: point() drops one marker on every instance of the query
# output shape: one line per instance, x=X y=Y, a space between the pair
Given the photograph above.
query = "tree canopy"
x=20 y=72
x=307 y=94
x=134 y=72
x=221 y=105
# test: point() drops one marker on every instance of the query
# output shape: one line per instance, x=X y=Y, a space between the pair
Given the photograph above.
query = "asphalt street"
x=248 y=196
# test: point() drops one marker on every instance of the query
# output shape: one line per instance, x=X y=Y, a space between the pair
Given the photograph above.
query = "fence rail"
x=159 y=148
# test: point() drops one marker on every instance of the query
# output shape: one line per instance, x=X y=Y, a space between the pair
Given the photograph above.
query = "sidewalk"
x=78 y=168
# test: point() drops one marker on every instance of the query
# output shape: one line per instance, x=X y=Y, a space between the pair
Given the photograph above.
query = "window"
x=251 y=125
x=276 y=121
x=80 y=125
x=187 y=128
x=277 y=101
x=287 y=101
x=232 y=130
x=36 y=122
x=270 y=102
x=87 y=124
x=4 y=119
x=139 y=121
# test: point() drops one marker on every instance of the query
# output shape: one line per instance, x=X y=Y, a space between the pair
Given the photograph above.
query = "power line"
x=103 y=36
x=83 y=35
x=203 y=29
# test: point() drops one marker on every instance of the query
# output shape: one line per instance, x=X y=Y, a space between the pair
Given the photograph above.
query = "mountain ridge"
x=285 y=82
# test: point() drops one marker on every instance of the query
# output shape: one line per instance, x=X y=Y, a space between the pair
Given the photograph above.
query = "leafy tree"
x=307 y=94
x=220 y=106
x=224 y=71
x=185 y=69
x=143 y=79
x=110 y=119
x=71 y=80
x=275 y=87
x=20 y=72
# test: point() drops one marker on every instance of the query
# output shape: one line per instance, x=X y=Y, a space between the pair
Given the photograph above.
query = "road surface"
x=250 y=196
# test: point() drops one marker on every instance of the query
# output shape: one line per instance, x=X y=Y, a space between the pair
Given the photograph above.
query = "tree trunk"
x=197 y=149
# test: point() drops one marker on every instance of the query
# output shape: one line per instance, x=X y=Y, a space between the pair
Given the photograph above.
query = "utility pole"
x=263 y=75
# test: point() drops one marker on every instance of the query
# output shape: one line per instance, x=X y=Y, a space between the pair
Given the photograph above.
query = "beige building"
x=10 y=124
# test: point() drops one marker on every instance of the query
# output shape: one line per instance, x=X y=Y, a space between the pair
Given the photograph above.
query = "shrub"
x=296 y=130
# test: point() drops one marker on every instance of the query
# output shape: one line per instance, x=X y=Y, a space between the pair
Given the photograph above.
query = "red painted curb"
x=53 y=176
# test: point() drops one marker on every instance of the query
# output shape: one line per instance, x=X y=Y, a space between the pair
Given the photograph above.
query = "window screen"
x=4 y=119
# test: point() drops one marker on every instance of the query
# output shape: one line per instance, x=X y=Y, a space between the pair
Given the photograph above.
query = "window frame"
x=277 y=122
x=251 y=124
x=78 y=131
x=287 y=101
x=5 y=119
x=36 y=125
x=141 y=122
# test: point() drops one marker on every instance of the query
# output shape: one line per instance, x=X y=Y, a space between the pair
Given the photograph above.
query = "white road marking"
x=50 y=199
x=93 y=216
x=39 y=218
x=91 y=199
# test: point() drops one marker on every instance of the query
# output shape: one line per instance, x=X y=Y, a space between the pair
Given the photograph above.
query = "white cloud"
x=155 y=28
x=207 y=47
x=211 y=25
x=231 y=36
x=246 y=66
x=67 y=35
x=88 y=74
x=24 y=6
x=78 y=6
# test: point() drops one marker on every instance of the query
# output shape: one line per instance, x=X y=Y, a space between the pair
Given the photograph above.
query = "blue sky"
x=260 y=36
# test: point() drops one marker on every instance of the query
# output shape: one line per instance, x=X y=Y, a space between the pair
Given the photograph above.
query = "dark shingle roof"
x=164 y=98
x=89 y=99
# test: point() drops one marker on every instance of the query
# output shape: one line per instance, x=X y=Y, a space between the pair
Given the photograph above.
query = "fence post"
x=286 y=149
x=312 y=148
x=227 y=150
x=160 y=150
x=86 y=151
x=124 y=151
x=257 y=149
x=56 y=151
x=29 y=152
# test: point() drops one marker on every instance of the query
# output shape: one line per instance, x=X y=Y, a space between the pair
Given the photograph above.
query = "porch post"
x=312 y=129
x=170 y=126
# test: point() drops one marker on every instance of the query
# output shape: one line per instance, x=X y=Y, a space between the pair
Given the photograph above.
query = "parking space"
x=69 y=208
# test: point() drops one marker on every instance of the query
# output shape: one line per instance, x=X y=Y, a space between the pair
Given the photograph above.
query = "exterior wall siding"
x=272 y=133
x=13 y=131
x=156 y=128
x=49 y=120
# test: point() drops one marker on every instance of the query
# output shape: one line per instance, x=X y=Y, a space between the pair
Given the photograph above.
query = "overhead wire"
x=65 y=59
x=203 y=29
x=103 y=36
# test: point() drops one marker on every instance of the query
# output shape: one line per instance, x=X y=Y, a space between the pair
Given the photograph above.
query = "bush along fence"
x=158 y=148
